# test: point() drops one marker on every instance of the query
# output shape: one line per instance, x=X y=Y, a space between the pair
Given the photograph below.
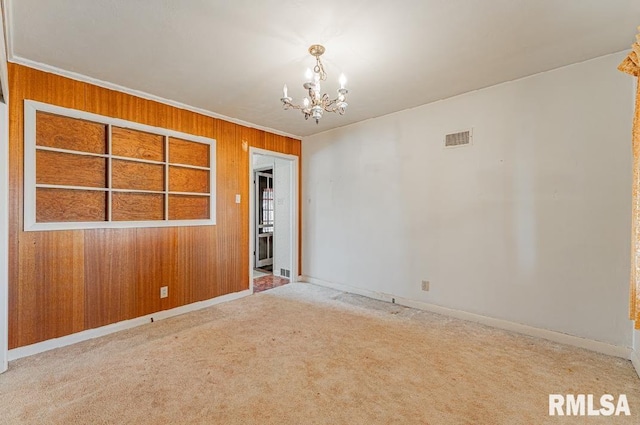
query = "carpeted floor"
x=302 y=354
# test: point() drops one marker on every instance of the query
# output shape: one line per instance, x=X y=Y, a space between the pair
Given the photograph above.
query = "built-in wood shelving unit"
x=109 y=173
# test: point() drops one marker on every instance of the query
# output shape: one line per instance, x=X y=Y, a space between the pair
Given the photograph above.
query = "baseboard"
x=50 y=344
x=635 y=360
x=589 y=344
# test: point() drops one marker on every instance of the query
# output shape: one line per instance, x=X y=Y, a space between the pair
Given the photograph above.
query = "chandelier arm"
x=332 y=102
x=312 y=95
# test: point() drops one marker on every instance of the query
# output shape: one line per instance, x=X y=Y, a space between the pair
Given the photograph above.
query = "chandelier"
x=315 y=103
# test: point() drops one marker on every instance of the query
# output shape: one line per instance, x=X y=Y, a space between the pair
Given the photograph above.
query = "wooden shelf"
x=137 y=144
x=183 y=179
x=67 y=169
x=132 y=206
x=188 y=153
x=65 y=205
x=62 y=132
x=136 y=175
x=188 y=207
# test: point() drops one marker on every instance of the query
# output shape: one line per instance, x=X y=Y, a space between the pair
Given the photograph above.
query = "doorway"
x=265 y=212
x=273 y=230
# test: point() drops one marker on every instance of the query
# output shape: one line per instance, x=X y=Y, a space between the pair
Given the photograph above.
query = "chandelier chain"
x=319 y=69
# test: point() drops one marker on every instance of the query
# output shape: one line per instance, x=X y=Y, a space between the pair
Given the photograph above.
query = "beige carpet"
x=301 y=354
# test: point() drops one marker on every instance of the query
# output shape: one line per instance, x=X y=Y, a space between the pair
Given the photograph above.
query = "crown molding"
x=137 y=93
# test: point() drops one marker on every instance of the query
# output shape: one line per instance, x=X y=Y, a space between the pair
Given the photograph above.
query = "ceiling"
x=231 y=58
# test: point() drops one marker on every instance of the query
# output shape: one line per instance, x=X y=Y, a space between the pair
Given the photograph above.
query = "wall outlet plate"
x=164 y=292
x=425 y=285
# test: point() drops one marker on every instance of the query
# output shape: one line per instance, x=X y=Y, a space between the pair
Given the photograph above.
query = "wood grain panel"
x=188 y=122
x=153 y=253
x=252 y=137
x=137 y=206
x=188 y=180
x=184 y=207
x=270 y=143
x=137 y=144
x=295 y=146
x=193 y=263
x=233 y=259
x=50 y=295
x=70 y=169
x=188 y=153
x=70 y=133
x=137 y=175
x=242 y=215
x=64 y=205
x=110 y=276
x=25 y=316
x=116 y=104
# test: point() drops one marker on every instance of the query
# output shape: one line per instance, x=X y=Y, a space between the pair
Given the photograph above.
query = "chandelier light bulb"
x=308 y=75
x=306 y=102
x=284 y=91
x=342 y=80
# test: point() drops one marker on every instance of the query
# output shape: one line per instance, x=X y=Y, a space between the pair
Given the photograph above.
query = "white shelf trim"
x=59 y=186
x=31 y=185
x=196 y=167
x=131 y=159
x=71 y=151
x=189 y=194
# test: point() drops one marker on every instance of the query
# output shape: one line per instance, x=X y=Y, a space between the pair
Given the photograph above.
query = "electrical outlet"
x=425 y=285
x=164 y=292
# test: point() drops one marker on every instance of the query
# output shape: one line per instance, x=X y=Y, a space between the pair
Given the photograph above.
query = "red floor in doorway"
x=267 y=282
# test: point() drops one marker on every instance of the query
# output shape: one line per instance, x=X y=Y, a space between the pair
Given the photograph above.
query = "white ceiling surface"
x=232 y=57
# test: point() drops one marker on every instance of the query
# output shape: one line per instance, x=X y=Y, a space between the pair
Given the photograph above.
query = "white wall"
x=529 y=224
x=4 y=235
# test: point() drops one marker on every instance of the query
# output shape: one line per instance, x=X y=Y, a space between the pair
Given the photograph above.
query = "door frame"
x=4 y=236
x=295 y=184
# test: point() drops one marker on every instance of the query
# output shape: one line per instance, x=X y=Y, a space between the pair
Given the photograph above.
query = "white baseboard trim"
x=50 y=344
x=589 y=344
x=635 y=360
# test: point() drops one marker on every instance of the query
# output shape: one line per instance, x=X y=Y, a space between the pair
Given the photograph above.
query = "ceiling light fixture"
x=315 y=104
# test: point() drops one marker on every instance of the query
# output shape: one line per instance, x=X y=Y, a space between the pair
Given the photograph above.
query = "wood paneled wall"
x=61 y=282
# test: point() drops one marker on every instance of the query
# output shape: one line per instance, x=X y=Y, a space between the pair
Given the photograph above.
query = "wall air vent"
x=454 y=140
x=285 y=273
